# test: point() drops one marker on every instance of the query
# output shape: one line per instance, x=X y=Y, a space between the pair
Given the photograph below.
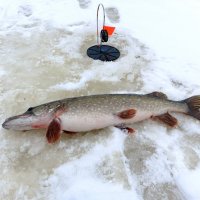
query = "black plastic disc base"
x=103 y=52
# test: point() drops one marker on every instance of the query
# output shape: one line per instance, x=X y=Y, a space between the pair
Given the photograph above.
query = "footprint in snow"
x=84 y=3
x=113 y=14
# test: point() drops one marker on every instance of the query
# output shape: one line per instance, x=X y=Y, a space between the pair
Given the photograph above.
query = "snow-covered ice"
x=43 y=47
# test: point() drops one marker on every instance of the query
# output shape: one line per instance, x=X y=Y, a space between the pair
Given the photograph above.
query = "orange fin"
x=127 y=114
x=167 y=119
x=54 y=131
x=158 y=94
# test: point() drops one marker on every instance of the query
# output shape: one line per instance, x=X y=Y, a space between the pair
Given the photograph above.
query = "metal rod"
x=99 y=43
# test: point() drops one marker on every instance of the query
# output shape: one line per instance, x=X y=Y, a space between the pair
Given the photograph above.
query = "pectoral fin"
x=54 y=131
x=127 y=114
x=167 y=119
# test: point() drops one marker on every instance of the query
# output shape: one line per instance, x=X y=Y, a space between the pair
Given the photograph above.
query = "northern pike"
x=86 y=113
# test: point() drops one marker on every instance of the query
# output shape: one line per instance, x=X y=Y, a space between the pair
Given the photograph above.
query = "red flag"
x=110 y=29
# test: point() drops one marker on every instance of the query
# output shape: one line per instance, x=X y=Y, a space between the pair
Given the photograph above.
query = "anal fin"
x=54 y=131
x=167 y=119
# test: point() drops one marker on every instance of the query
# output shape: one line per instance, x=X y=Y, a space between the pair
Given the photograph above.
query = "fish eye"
x=30 y=109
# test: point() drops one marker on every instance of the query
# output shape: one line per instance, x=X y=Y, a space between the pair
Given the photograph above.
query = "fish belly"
x=87 y=123
x=82 y=123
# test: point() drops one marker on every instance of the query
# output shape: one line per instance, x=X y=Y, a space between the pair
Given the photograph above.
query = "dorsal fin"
x=158 y=95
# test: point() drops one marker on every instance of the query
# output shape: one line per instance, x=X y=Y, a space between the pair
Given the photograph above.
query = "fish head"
x=34 y=118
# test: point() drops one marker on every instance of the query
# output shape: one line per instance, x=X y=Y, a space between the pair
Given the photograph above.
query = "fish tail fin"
x=193 y=104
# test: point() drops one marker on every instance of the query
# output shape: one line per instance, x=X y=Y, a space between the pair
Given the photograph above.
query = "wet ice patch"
x=162 y=191
x=82 y=177
x=191 y=157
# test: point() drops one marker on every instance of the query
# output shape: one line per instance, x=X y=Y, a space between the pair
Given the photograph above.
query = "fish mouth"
x=19 y=122
x=5 y=125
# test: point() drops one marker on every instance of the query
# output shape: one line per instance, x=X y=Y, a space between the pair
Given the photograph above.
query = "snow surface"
x=43 y=47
